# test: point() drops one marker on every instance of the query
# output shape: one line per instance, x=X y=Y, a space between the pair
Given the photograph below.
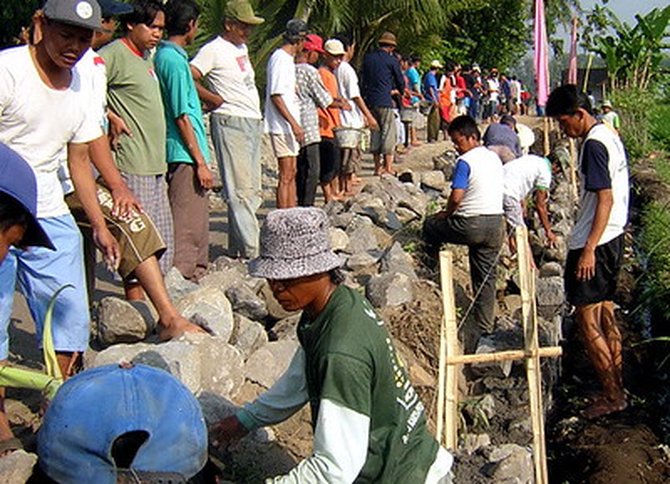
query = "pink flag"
x=572 y=62
x=541 y=55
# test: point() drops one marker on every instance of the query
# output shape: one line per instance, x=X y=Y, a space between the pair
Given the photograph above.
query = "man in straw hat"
x=382 y=79
x=236 y=122
x=369 y=423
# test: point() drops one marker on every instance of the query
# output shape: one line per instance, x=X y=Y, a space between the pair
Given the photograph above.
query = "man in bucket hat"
x=369 y=423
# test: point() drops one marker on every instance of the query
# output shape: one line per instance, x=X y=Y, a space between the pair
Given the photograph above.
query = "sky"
x=626 y=9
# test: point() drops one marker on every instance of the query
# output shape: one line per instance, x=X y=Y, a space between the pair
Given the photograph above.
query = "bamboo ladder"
x=451 y=357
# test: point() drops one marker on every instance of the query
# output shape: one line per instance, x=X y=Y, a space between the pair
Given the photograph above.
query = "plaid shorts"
x=151 y=191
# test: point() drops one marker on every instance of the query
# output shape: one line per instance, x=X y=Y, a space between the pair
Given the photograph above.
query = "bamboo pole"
x=573 y=166
x=509 y=355
x=449 y=372
x=546 y=137
x=533 y=369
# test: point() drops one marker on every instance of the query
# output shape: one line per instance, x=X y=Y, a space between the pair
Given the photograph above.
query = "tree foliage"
x=633 y=55
x=14 y=15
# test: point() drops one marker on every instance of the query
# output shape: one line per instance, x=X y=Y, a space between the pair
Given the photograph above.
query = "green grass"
x=660 y=124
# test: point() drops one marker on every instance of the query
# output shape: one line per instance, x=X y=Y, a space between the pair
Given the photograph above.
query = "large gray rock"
x=212 y=305
x=396 y=260
x=222 y=279
x=362 y=260
x=120 y=321
x=551 y=269
x=221 y=365
x=286 y=328
x=362 y=239
x=17 y=467
x=247 y=303
x=434 y=180
x=473 y=442
x=406 y=215
x=179 y=358
x=338 y=239
x=550 y=291
x=499 y=369
x=248 y=336
x=389 y=290
x=215 y=407
x=177 y=286
x=268 y=363
x=511 y=463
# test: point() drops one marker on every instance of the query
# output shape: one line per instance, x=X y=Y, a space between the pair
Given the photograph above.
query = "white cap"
x=436 y=64
x=334 y=47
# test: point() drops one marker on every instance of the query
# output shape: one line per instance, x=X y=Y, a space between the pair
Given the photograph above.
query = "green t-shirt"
x=133 y=93
x=179 y=97
x=350 y=360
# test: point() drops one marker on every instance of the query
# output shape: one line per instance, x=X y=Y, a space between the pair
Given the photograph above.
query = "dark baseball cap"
x=80 y=13
x=112 y=8
x=18 y=181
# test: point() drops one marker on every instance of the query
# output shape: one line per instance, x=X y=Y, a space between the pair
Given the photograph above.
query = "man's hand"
x=108 y=246
x=125 y=203
x=117 y=127
x=298 y=132
x=205 y=177
x=551 y=238
x=586 y=265
x=372 y=123
x=227 y=431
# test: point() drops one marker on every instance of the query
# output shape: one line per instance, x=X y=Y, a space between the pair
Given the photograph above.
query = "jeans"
x=483 y=235
x=237 y=144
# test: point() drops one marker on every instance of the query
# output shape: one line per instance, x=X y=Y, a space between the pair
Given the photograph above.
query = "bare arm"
x=82 y=177
x=372 y=122
x=541 y=197
x=455 y=199
x=187 y=134
x=586 y=266
x=209 y=99
x=125 y=202
x=279 y=103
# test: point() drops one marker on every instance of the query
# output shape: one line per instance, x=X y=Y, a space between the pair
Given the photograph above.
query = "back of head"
x=112 y=418
x=179 y=14
x=567 y=99
x=504 y=152
x=296 y=31
x=144 y=12
x=465 y=126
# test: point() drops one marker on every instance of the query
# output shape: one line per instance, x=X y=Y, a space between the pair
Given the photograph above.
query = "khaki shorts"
x=284 y=144
x=138 y=238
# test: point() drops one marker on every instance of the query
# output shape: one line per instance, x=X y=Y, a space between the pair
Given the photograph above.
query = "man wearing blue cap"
x=41 y=111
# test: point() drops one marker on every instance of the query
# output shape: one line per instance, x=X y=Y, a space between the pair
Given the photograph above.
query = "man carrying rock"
x=369 y=423
x=473 y=217
x=236 y=122
x=596 y=243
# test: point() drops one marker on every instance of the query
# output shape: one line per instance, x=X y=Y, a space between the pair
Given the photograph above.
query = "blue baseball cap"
x=111 y=419
x=112 y=8
x=17 y=180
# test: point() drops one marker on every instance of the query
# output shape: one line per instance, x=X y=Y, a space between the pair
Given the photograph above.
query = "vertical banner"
x=572 y=62
x=541 y=55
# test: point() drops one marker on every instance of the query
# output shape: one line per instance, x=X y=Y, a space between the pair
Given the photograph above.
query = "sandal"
x=603 y=406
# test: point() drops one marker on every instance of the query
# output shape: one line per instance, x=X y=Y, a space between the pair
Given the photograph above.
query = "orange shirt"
x=329 y=118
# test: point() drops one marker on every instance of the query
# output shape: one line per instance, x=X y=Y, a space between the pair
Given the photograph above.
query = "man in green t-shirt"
x=369 y=423
x=189 y=178
x=137 y=122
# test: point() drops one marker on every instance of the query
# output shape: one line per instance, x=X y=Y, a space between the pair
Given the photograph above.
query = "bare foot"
x=177 y=327
x=602 y=406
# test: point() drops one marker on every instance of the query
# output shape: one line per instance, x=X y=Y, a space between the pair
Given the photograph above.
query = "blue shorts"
x=38 y=273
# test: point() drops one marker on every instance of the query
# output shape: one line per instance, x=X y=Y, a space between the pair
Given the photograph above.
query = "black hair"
x=179 y=14
x=567 y=99
x=344 y=38
x=465 y=126
x=144 y=12
x=337 y=276
x=12 y=213
x=415 y=58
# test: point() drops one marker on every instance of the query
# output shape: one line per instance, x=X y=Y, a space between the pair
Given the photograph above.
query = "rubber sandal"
x=10 y=445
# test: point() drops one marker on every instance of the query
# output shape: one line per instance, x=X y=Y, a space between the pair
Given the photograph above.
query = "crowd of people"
x=103 y=144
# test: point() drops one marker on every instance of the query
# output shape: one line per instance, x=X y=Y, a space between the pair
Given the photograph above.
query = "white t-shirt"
x=281 y=80
x=494 y=89
x=37 y=122
x=229 y=74
x=617 y=167
x=347 y=83
x=525 y=174
x=484 y=192
x=93 y=74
